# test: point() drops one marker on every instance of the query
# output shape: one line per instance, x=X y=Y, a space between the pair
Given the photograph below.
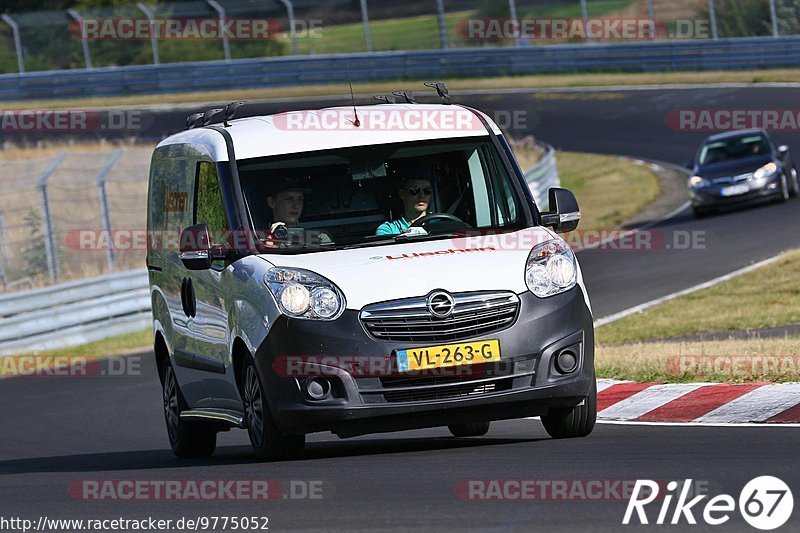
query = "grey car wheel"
x=784 y=188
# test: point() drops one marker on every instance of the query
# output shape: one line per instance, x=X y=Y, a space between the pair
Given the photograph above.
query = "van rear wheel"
x=472 y=429
x=268 y=441
x=187 y=439
x=575 y=421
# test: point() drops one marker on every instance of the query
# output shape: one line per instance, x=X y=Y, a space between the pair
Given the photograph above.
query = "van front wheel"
x=573 y=422
x=269 y=442
x=187 y=439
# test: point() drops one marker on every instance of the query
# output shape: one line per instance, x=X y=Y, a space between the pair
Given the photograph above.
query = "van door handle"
x=188 y=300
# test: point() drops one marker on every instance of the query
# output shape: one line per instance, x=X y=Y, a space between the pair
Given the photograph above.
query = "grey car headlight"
x=760 y=176
x=698 y=182
x=551 y=268
x=304 y=294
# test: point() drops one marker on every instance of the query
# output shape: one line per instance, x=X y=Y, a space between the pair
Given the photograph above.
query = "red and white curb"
x=703 y=403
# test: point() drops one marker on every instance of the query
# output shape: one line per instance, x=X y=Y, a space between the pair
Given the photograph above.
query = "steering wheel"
x=422 y=222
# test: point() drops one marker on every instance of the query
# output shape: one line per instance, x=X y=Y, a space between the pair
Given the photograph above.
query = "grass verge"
x=610 y=190
x=773 y=299
x=775 y=360
x=120 y=344
x=505 y=82
x=766 y=297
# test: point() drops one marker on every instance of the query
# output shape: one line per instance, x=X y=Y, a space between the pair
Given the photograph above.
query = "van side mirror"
x=564 y=213
x=195 y=247
x=783 y=149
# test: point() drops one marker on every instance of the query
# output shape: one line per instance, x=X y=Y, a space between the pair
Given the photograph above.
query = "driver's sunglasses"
x=413 y=191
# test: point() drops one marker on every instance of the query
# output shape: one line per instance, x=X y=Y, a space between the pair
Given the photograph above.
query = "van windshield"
x=371 y=195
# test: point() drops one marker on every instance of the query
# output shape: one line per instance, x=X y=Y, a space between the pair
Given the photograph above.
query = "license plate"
x=733 y=190
x=465 y=353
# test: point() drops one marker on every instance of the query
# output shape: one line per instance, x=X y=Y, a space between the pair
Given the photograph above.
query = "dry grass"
x=45 y=150
x=672 y=10
x=121 y=344
x=526 y=151
x=368 y=89
x=754 y=359
x=610 y=190
x=74 y=203
x=771 y=293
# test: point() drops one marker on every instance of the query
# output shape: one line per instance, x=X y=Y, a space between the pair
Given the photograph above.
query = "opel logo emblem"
x=440 y=304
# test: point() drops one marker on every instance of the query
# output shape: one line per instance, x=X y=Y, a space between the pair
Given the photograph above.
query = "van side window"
x=210 y=207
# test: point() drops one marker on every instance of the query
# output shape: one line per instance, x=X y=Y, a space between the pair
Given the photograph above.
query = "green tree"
x=34 y=253
x=740 y=18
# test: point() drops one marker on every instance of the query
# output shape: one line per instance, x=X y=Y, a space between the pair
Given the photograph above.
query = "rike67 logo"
x=765 y=503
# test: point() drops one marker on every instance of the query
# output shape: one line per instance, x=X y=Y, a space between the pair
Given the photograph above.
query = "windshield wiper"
x=404 y=237
x=401 y=238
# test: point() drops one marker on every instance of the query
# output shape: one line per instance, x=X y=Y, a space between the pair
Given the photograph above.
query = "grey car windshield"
x=344 y=197
x=735 y=148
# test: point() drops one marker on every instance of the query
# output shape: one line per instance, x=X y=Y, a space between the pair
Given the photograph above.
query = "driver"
x=416 y=196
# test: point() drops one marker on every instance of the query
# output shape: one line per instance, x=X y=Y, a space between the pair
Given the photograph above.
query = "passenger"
x=287 y=207
x=416 y=196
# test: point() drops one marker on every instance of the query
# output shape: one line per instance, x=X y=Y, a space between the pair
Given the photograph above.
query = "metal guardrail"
x=542 y=176
x=74 y=313
x=719 y=54
x=96 y=308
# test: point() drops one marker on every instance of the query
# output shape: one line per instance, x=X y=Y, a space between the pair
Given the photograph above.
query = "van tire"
x=575 y=421
x=268 y=441
x=188 y=440
x=471 y=429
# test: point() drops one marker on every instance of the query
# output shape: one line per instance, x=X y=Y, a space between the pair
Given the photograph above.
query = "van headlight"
x=551 y=269
x=301 y=293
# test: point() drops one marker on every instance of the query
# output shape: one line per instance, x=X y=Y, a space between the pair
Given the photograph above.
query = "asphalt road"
x=58 y=431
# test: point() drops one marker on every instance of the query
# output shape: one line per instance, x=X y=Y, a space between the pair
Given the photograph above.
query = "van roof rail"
x=408 y=96
x=441 y=90
x=197 y=120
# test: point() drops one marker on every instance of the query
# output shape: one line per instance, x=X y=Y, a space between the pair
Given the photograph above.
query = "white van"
x=360 y=270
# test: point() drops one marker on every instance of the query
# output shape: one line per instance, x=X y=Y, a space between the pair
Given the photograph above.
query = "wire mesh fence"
x=166 y=32
x=72 y=215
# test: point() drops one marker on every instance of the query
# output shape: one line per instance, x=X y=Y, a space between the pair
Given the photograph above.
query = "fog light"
x=318 y=388
x=566 y=362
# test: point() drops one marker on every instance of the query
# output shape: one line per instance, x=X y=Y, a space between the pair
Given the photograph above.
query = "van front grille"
x=409 y=320
x=465 y=390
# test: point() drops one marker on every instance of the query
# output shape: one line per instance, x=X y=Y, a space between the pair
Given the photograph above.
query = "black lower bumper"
x=525 y=382
x=708 y=201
